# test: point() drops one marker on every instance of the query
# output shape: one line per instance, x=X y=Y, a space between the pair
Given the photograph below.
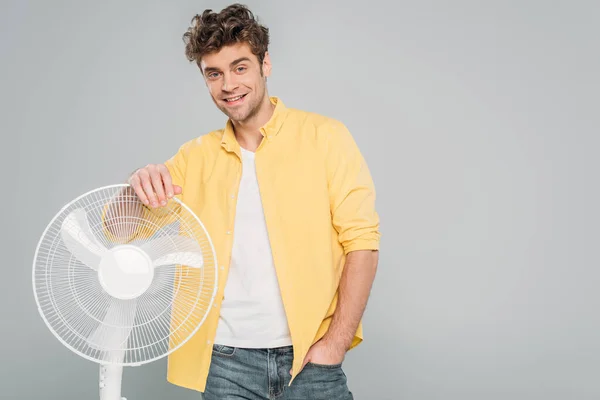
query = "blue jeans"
x=264 y=374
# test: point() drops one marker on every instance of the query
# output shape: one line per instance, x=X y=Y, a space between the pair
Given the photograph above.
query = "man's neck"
x=248 y=132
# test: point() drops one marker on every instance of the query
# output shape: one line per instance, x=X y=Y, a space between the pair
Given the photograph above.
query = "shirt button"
x=232 y=196
x=229 y=232
x=208 y=341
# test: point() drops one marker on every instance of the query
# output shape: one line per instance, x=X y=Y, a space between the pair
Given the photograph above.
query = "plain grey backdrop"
x=479 y=121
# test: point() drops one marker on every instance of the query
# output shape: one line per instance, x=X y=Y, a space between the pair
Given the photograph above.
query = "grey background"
x=479 y=123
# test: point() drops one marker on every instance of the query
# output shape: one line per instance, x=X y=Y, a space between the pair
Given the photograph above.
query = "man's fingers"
x=153 y=185
x=166 y=178
x=134 y=181
x=157 y=183
x=147 y=185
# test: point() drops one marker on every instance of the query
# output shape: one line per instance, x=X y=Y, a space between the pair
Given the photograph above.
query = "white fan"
x=122 y=284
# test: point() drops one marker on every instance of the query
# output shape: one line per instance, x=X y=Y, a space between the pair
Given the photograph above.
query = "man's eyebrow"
x=239 y=60
x=231 y=64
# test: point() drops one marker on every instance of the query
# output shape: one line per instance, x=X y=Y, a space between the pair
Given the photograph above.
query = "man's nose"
x=229 y=83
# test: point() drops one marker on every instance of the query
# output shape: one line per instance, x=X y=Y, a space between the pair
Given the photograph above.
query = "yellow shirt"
x=319 y=204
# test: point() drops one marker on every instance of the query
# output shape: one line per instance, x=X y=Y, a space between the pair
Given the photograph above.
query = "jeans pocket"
x=324 y=366
x=223 y=350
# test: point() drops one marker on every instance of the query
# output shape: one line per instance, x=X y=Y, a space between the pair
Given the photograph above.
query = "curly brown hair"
x=234 y=24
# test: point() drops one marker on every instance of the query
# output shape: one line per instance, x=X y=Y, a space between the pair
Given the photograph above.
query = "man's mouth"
x=234 y=100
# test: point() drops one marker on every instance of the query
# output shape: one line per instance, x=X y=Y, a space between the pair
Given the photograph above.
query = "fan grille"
x=106 y=329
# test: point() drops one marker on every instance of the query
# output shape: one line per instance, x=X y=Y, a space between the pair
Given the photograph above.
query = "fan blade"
x=79 y=239
x=160 y=246
x=112 y=334
x=187 y=258
x=173 y=250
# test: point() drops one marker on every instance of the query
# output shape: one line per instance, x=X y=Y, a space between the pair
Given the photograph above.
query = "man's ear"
x=266 y=65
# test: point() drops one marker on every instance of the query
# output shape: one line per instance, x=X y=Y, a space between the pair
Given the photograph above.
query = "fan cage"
x=74 y=305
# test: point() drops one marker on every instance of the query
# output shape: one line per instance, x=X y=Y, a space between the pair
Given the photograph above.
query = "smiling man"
x=290 y=205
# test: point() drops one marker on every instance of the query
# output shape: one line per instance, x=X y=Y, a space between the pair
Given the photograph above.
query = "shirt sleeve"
x=177 y=165
x=351 y=191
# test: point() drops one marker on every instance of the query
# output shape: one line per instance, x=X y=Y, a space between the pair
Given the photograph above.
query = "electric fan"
x=122 y=284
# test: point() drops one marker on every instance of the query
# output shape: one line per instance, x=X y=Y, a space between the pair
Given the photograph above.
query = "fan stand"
x=110 y=382
x=125 y=272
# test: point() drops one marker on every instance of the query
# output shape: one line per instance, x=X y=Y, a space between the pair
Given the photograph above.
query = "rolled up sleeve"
x=351 y=191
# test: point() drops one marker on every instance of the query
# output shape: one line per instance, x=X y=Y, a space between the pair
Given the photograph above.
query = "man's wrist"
x=337 y=345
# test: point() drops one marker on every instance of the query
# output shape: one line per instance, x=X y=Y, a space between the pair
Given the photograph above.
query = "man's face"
x=234 y=80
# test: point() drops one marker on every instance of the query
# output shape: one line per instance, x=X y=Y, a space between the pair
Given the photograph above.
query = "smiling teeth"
x=234 y=98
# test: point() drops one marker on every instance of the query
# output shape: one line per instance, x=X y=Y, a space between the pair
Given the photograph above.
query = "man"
x=289 y=203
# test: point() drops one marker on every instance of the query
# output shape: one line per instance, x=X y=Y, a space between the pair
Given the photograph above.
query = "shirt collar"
x=269 y=130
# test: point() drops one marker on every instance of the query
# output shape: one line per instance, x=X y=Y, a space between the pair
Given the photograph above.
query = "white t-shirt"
x=252 y=313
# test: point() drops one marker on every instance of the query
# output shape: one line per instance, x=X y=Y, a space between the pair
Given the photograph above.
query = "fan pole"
x=110 y=382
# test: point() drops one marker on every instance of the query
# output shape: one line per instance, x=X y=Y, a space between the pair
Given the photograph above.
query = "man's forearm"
x=354 y=289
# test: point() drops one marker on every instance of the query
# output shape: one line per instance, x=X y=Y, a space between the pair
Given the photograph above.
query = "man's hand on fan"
x=153 y=185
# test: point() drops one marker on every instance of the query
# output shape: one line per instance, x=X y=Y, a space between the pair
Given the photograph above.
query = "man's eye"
x=213 y=75
x=241 y=69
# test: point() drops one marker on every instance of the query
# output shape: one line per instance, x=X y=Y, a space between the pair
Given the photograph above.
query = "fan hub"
x=125 y=272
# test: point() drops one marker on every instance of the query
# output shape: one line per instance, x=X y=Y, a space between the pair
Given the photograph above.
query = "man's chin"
x=236 y=117
x=232 y=115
